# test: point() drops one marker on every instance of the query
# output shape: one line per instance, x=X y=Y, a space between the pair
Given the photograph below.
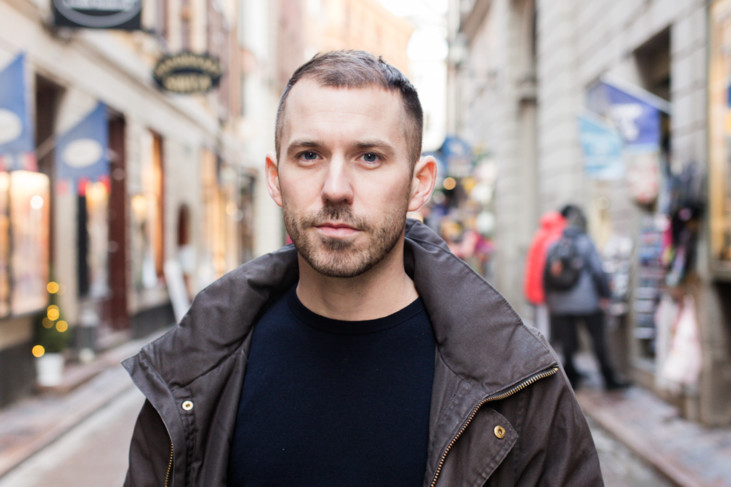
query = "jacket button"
x=499 y=432
x=188 y=405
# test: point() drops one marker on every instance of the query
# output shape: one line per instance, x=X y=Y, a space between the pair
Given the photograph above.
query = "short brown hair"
x=358 y=69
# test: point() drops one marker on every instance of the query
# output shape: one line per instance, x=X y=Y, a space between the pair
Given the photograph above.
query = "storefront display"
x=719 y=126
x=96 y=199
x=650 y=282
x=28 y=200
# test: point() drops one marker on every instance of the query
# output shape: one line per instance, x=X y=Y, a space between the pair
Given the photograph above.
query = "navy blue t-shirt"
x=334 y=403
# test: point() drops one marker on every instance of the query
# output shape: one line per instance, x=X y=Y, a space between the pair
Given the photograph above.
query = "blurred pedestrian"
x=577 y=291
x=551 y=225
x=365 y=353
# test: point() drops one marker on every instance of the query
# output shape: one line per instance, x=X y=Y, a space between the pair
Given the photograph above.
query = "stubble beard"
x=335 y=257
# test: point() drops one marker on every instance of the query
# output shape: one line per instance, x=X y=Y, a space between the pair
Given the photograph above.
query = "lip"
x=335 y=229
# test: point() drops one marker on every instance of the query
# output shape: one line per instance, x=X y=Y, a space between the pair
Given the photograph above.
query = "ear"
x=272 y=175
x=422 y=183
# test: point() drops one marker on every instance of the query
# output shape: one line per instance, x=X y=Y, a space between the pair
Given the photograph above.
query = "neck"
x=381 y=291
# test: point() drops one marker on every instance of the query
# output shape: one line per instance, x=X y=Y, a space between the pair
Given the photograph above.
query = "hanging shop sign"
x=98 y=14
x=16 y=133
x=81 y=152
x=187 y=73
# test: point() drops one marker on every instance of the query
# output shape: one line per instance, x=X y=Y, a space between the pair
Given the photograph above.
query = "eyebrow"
x=365 y=144
x=296 y=145
x=374 y=144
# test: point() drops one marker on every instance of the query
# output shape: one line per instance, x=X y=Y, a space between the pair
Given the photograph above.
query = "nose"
x=337 y=187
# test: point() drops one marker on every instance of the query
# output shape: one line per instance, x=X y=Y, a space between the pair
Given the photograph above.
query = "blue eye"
x=308 y=155
x=370 y=157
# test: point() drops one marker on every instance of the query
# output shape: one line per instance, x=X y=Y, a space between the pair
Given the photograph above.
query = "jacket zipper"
x=170 y=466
x=494 y=397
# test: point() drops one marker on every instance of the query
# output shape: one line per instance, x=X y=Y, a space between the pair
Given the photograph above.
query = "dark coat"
x=502 y=412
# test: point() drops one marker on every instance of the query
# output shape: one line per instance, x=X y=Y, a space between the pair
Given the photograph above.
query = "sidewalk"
x=31 y=424
x=686 y=453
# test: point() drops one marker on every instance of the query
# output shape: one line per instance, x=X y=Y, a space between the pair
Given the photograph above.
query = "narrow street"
x=95 y=454
x=91 y=455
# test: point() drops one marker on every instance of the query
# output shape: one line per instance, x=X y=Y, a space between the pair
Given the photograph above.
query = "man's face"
x=343 y=177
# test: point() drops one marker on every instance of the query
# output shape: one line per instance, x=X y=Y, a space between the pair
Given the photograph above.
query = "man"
x=365 y=353
x=583 y=301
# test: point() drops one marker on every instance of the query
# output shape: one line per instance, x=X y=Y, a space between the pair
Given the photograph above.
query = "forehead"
x=311 y=106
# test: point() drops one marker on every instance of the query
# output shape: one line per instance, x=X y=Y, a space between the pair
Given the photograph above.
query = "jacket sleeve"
x=556 y=447
x=150 y=453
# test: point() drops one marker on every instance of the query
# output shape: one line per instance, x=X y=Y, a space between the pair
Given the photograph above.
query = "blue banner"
x=634 y=112
x=637 y=121
x=16 y=131
x=602 y=149
x=82 y=152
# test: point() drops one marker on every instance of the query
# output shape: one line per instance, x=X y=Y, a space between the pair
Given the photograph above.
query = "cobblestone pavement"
x=682 y=452
x=620 y=466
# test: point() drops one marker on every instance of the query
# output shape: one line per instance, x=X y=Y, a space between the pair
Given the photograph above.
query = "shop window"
x=214 y=260
x=93 y=235
x=29 y=201
x=147 y=216
x=719 y=122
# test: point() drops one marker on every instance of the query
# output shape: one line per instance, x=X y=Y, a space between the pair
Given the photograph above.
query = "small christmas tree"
x=51 y=330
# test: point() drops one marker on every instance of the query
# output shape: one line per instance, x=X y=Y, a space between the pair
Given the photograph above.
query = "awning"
x=82 y=152
x=16 y=131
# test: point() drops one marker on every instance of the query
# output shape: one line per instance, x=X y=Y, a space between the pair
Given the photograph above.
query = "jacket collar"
x=480 y=338
x=479 y=335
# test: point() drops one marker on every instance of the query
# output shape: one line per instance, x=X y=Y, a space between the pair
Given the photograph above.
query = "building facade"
x=130 y=195
x=606 y=104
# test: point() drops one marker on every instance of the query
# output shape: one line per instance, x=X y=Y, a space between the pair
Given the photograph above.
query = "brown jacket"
x=502 y=412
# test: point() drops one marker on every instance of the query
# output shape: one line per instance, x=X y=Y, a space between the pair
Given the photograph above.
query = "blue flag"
x=82 y=152
x=16 y=132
